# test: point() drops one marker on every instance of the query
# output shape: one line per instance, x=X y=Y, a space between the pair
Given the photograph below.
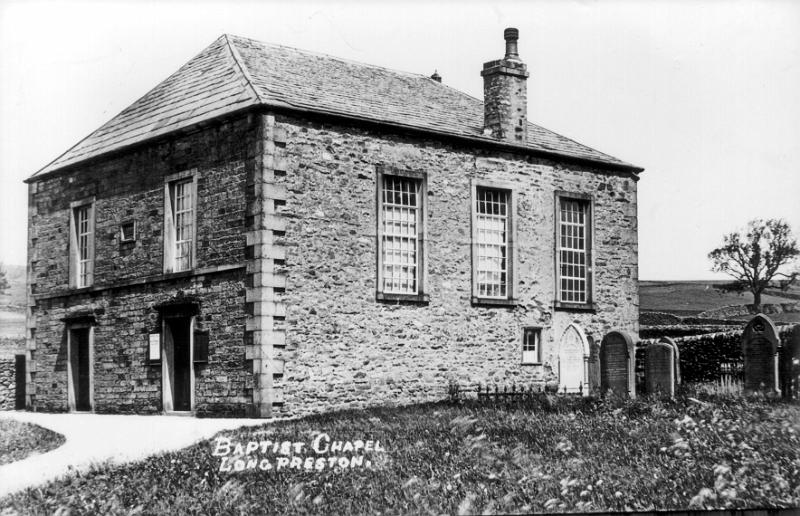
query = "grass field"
x=20 y=440
x=12 y=324
x=551 y=455
x=692 y=297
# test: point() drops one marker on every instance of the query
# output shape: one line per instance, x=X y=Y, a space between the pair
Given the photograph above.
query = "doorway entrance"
x=19 y=398
x=178 y=374
x=80 y=369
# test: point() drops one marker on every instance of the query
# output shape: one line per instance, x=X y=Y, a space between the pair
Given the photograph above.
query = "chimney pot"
x=511 y=35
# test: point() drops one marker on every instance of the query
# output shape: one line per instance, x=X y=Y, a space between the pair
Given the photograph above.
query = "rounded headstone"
x=617 y=364
x=677 y=355
x=759 y=347
x=660 y=368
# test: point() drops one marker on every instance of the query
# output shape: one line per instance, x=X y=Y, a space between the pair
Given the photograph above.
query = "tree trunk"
x=757 y=300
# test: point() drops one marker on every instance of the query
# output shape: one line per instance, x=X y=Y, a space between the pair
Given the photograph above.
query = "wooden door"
x=19 y=400
x=82 y=373
x=181 y=342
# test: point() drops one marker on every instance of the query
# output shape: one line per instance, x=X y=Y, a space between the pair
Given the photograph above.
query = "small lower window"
x=531 y=346
x=127 y=231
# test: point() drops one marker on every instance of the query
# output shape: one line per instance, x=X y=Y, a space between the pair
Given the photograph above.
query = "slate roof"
x=235 y=73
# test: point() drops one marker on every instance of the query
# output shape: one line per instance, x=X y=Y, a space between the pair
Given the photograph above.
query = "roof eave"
x=507 y=146
x=510 y=146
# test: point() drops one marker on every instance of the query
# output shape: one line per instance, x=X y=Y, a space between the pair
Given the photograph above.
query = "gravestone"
x=790 y=365
x=594 y=366
x=659 y=368
x=572 y=362
x=617 y=360
x=760 y=350
x=677 y=356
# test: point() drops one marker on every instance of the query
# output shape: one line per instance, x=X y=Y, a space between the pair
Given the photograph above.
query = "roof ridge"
x=238 y=60
x=331 y=56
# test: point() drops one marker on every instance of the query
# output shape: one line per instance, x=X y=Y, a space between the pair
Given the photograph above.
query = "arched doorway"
x=573 y=359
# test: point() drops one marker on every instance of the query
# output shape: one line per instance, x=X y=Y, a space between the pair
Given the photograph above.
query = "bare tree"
x=762 y=254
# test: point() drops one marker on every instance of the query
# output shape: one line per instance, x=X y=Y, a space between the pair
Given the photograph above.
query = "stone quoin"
x=272 y=231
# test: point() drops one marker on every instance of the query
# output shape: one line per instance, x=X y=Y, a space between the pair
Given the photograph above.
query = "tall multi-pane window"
x=183 y=203
x=82 y=242
x=491 y=241
x=179 y=223
x=574 y=259
x=493 y=237
x=85 y=265
x=401 y=220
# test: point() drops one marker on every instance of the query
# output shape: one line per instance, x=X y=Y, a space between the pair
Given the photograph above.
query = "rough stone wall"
x=505 y=91
x=129 y=281
x=131 y=187
x=345 y=349
x=7 y=383
x=9 y=347
x=286 y=230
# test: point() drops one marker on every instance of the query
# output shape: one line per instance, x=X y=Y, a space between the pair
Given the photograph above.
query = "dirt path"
x=95 y=438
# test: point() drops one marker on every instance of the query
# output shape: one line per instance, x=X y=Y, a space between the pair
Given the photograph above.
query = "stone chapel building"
x=274 y=231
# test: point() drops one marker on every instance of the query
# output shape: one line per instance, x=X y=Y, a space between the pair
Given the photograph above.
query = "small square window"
x=532 y=346
x=127 y=231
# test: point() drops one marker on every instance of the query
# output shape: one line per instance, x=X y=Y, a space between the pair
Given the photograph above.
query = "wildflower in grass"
x=462 y=424
x=702 y=497
x=686 y=422
x=410 y=482
x=564 y=446
x=465 y=507
x=721 y=469
x=229 y=494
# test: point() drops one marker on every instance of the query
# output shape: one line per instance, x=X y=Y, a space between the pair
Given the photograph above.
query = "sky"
x=702 y=94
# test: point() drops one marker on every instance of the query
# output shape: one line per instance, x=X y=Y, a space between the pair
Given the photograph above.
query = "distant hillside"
x=14 y=296
x=692 y=297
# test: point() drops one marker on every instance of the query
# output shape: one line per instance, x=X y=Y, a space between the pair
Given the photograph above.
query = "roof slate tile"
x=235 y=73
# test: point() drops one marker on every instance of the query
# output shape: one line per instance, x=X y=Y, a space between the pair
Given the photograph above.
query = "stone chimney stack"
x=505 y=94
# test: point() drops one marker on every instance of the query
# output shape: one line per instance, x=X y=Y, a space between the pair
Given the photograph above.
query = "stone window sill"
x=575 y=307
x=492 y=302
x=412 y=299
